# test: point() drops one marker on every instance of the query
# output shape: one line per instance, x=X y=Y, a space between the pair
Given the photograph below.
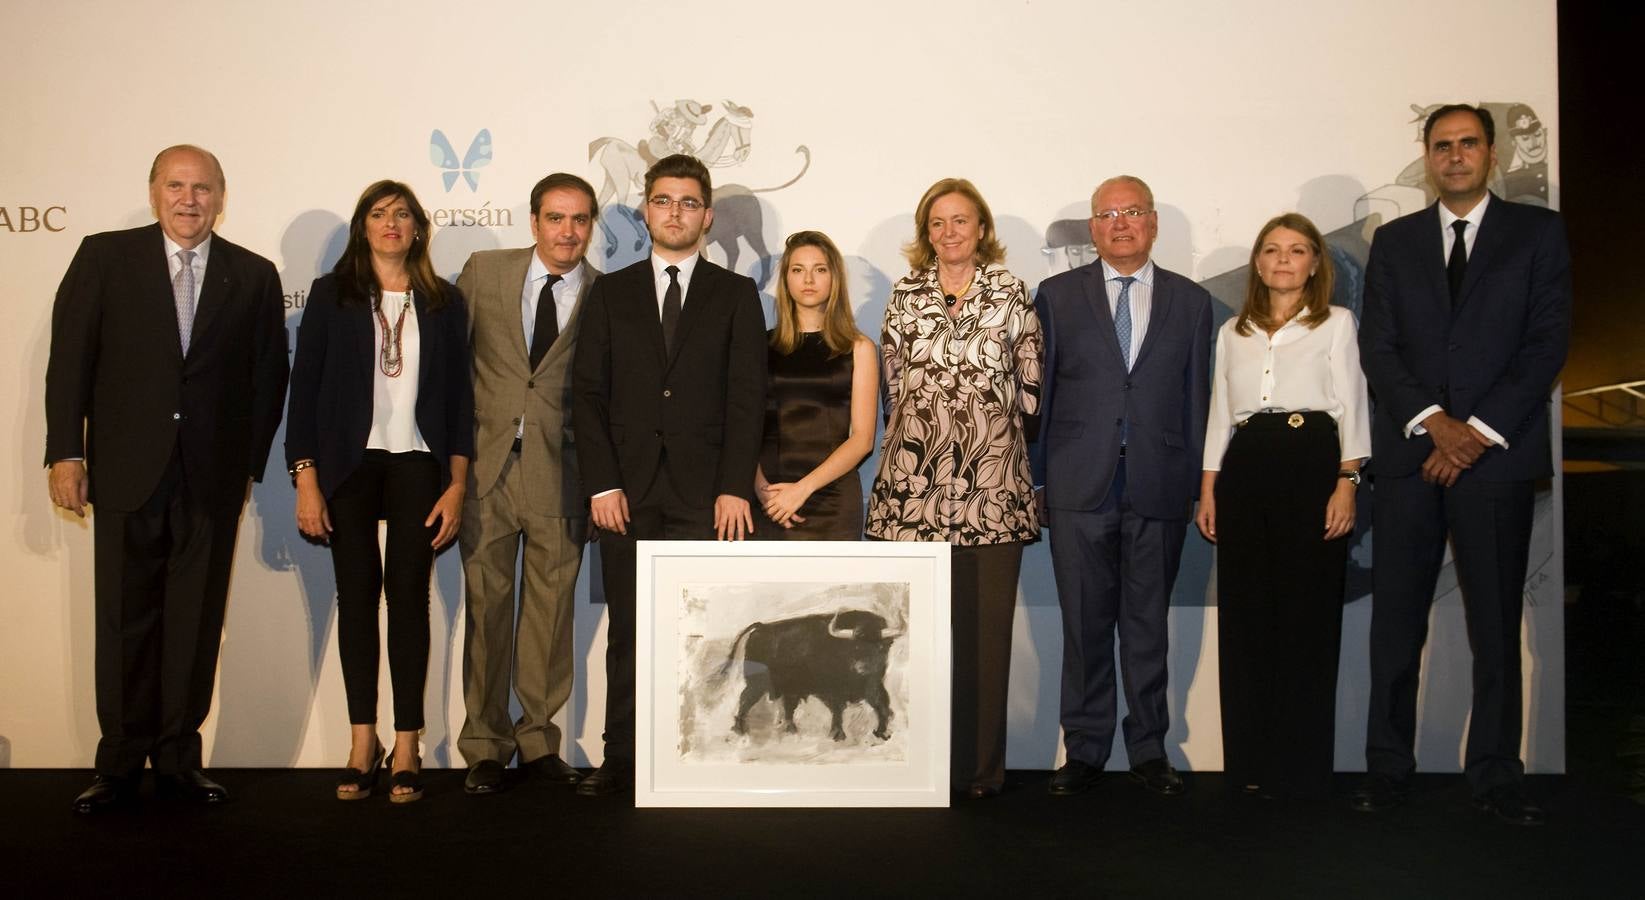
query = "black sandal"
x=361 y=782
x=406 y=778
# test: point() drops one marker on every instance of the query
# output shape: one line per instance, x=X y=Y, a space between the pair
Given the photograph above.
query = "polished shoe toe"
x=106 y=792
x=1377 y=793
x=1510 y=806
x=553 y=769
x=1074 y=777
x=1158 y=776
x=484 y=777
x=611 y=778
x=191 y=786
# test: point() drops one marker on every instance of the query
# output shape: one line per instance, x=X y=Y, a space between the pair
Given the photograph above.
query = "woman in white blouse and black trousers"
x=1288 y=430
x=381 y=428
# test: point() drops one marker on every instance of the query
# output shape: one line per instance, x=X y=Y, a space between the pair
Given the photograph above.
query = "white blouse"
x=1298 y=369
x=394 y=399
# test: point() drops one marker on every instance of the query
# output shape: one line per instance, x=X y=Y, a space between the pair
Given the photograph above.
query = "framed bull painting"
x=792 y=674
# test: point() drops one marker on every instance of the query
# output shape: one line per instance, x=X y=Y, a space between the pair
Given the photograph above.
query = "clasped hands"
x=1457 y=446
x=733 y=517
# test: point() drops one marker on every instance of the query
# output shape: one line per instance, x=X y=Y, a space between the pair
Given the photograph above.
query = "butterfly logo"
x=478 y=155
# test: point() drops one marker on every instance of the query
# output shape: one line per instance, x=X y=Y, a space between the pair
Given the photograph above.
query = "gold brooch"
x=1295 y=421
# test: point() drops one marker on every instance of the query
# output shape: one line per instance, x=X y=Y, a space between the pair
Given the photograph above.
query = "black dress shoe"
x=1073 y=778
x=982 y=791
x=1158 y=776
x=484 y=777
x=1508 y=804
x=106 y=792
x=191 y=786
x=553 y=769
x=611 y=778
x=1378 y=792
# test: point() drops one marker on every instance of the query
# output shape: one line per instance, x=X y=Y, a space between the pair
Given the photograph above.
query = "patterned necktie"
x=1457 y=265
x=671 y=309
x=547 y=327
x=1122 y=318
x=182 y=293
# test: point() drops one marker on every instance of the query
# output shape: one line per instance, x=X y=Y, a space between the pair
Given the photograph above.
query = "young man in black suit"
x=1467 y=316
x=669 y=382
x=163 y=392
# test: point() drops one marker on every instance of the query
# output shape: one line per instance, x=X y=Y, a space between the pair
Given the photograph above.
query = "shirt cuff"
x=1488 y=431
x=603 y=493
x=1415 y=425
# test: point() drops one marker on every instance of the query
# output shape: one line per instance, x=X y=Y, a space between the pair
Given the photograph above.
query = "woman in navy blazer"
x=381 y=428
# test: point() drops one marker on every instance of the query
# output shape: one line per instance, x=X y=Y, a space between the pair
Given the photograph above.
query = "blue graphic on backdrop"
x=479 y=155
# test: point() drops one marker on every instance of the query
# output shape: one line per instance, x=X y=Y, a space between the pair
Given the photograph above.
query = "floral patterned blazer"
x=954 y=464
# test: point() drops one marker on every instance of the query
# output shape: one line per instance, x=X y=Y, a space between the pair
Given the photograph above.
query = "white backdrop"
x=1233 y=111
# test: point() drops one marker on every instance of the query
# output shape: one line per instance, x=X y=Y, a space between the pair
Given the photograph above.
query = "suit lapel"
x=425 y=339
x=700 y=292
x=215 y=292
x=568 y=335
x=1492 y=235
x=1433 y=260
x=155 y=284
x=510 y=288
x=646 y=314
x=1159 y=313
x=1096 y=296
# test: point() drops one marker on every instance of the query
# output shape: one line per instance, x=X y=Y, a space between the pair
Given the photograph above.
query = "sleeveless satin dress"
x=808 y=415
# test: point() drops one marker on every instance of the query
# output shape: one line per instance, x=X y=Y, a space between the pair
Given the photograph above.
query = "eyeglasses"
x=662 y=202
x=1110 y=216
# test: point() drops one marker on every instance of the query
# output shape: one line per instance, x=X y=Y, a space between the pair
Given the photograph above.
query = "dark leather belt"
x=1289 y=420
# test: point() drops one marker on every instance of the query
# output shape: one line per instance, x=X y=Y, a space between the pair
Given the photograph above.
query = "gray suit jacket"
x=506 y=387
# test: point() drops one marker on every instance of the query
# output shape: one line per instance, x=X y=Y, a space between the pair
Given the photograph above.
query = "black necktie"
x=671 y=308
x=1457 y=265
x=547 y=328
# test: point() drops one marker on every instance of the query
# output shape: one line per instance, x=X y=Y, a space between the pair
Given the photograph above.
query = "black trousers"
x=399 y=488
x=659 y=514
x=1279 y=604
x=161 y=577
x=984 y=600
x=1489 y=524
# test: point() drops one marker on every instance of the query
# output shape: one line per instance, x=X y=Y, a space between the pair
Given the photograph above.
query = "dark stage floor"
x=283 y=835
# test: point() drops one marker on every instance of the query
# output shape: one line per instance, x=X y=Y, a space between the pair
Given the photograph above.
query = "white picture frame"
x=712 y=733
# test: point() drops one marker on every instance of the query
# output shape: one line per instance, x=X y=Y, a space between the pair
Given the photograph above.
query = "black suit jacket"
x=702 y=411
x=1494 y=354
x=331 y=383
x=121 y=394
x=1086 y=392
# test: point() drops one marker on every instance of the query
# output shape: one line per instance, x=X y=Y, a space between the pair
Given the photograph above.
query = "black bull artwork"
x=839 y=658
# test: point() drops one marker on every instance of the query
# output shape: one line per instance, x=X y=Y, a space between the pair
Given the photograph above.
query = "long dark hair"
x=356 y=280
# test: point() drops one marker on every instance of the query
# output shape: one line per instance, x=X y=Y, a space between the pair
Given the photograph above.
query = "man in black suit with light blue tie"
x=1467 y=317
x=1123 y=405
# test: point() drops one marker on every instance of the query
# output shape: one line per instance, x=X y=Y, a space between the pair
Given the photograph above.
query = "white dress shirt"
x=659 y=274
x=1297 y=369
x=394 y=400
x=1448 y=239
x=1142 y=301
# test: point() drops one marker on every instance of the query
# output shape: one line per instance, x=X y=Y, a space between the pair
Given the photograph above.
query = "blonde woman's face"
x=809 y=279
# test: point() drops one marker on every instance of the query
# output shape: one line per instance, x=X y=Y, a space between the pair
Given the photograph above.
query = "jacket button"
x=531 y=384
x=667 y=392
x=176 y=416
x=658 y=432
x=516 y=420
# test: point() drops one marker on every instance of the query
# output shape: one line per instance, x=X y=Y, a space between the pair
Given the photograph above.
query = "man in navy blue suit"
x=1467 y=315
x=1123 y=405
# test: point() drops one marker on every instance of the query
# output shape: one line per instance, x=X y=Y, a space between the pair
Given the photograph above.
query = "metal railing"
x=1620 y=405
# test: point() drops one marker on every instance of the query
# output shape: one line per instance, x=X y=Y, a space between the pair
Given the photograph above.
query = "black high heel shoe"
x=361 y=783
x=406 y=778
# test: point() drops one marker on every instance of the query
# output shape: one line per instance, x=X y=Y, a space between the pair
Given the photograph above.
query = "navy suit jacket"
x=121 y=394
x=1494 y=354
x=1087 y=393
x=329 y=419
x=701 y=412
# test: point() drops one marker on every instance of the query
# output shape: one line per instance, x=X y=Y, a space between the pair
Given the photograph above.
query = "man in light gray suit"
x=525 y=501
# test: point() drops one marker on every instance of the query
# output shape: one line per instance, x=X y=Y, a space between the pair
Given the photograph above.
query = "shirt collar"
x=1144 y=275
x=537 y=271
x=1474 y=216
x=202 y=250
x=686 y=267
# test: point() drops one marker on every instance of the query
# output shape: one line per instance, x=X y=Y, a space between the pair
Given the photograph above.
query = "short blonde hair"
x=919 y=252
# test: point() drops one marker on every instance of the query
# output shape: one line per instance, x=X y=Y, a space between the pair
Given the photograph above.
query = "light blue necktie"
x=182 y=293
x=1122 y=318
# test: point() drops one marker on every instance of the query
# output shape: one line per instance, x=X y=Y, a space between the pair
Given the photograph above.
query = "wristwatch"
x=1351 y=474
x=299 y=466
